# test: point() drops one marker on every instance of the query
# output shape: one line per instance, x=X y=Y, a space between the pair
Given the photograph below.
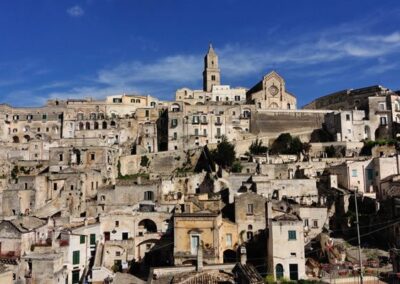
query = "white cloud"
x=75 y=11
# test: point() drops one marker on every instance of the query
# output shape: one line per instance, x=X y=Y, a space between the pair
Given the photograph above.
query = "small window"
x=250 y=209
x=92 y=239
x=347 y=117
x=228 y=240
x=61 y=157
x=147 y=113
x=315 y=223
x=55 y=186
x=212 y=77
x=116 y=223
x=82 y=239
x=75 y=257
x=117 y=253
x=354 y=173
x=125 y=235
x=92 y=156
x=292 y=235
x=44 y=116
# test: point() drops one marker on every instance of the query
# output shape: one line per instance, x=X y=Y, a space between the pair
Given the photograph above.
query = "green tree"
x=286 y=144
x=237 y=167
x=257 y=148
x=225 y=153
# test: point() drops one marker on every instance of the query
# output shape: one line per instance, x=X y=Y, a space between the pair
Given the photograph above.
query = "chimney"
x=199 y=267
x=243 y=255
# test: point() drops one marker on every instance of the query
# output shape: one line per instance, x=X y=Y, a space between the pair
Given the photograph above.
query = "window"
x=44 y=116
x=117 y=100
x=82 y=239
x=212 y=77
x=117 y=253
x=228 y=240
x=383 y=120
x=55 y=186
x=315 y=223
x=75 y=257
x=382 y=106
x=305 y=222
x=125 y=235
x=292 y=235
x=205 y=132
x=354 y=173
x=174 y=122
x=175 y=135
x=92 y=239
x=237 y=98
x=196 y=131
x=92 y=156
x=116 y=223
x=347 y=117
x=250 y=208
x=60 y=157
x=147 y=113
x=148 y=195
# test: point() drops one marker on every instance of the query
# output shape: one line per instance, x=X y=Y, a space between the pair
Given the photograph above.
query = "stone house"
x=286 y=247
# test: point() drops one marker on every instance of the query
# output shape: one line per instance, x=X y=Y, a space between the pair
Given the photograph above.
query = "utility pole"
x=358 y=235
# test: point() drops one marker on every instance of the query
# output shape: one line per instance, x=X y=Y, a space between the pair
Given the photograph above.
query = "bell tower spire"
x=211 y=73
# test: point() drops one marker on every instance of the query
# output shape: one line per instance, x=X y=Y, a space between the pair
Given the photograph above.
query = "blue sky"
x=94 y=48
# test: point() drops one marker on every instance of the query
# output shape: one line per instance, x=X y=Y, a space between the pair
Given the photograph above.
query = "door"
x=75 y=277
x=294 y=272
x=195 y=240
x=107 y=236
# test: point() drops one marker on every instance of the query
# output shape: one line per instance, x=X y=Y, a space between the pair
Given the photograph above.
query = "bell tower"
x=211 y=73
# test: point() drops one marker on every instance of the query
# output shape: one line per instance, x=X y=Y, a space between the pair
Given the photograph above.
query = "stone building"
x=270 y=93
x=286 y=257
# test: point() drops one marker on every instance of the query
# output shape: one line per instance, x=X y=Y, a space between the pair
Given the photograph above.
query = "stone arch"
x=80 y=126
x=96 y=125
x=274 y=106
x=113 y=123
x=88 y=125
x=230 y=256
x=149 y=225
x=104 y=126
x=175 y=107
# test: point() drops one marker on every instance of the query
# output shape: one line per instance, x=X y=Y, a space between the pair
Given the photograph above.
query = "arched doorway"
x=148 y=225
x=279 y=271
x=15 y=139
x=229 y=256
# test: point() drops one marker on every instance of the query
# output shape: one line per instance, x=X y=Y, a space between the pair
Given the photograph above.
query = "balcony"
x=218 y=136
x=218 y=123
x=195 y=122
x=204 y=122
x=244 y=116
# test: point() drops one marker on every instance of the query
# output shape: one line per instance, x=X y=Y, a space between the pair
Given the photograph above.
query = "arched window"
x=279 y=271
x=80 y=116
x=93 y=116
x=80 y=125
x=88 y=125
x=113 y=124
x=104 y=124
x=96 y=125
x=15 y=139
